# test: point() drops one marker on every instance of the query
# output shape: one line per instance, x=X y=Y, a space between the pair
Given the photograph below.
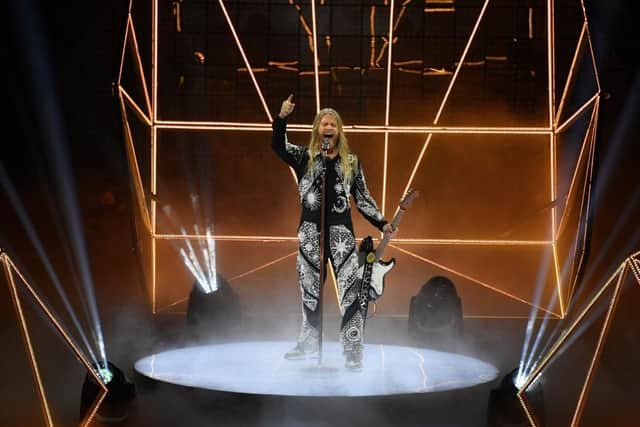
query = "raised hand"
x=287 y=107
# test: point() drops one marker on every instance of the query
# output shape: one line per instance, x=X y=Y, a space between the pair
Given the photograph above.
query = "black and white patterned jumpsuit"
x=340 y=246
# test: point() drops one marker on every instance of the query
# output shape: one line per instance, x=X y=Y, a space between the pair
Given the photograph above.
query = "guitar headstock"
x=407 y=199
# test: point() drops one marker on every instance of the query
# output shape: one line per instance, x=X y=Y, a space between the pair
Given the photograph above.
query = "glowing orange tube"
x=124 y=48
x=551 y=59
x=226 y=238
x=389 y=66
x=635 y=268
x=137 y=179
x=578 y=113
x=585 y=143
x=486 y=285
x=417 y=165
x=315 y=54
x=552 y=182
x=598 y=352
x=446 y=96
x=588 y=192
x=461 y=61
x=154 y=63
x=372 y=43
x=570 y=76
x=593 y=56
x=423 y=242
x=473 y=242
x=384 y=172
x=244 y=57
x=556 y=268
x=387 y=107
x=263 y=266
x=166 y=307
x=154 y=156
x=527 y=410
x=452 y=129
x=335 y=283
x=35 y=370
x=141 y=115
x=139 y=63
x=266 y=127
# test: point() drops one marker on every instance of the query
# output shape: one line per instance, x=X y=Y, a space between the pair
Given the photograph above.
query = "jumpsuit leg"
x=344 y=258
x=308 y=263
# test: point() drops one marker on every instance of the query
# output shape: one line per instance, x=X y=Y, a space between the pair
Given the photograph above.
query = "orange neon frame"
x=616 y=280
x=9 y=270
x=150 y=118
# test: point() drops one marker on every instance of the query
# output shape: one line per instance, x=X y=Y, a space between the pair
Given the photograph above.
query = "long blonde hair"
x=343 y=144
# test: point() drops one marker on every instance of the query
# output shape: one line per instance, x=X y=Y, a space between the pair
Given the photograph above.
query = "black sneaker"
x=302 y=351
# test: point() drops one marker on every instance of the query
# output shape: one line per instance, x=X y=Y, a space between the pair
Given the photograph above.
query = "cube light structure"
x=488 y=108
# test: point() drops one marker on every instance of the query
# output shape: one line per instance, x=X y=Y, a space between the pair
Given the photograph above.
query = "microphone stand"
x=323 y=266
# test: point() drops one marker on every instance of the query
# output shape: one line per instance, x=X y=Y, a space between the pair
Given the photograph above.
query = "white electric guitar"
x=372 y=268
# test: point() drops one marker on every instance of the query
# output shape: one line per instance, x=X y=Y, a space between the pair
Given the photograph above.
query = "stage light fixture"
x=115 y=406
x=435 y=313
x=505 y=408
x=218 y=310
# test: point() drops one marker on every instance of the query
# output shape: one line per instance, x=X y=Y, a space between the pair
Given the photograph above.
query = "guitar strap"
x=362 y=285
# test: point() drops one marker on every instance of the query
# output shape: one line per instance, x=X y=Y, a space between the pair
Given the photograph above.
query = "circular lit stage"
x=259 y=368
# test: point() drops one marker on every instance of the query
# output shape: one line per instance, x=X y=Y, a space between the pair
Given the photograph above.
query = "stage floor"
x=259 y=368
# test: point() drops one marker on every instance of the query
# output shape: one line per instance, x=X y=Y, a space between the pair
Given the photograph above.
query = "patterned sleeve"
x=294 y=155
x=364 y=201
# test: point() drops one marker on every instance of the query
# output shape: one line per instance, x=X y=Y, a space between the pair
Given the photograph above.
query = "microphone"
x=325 y=144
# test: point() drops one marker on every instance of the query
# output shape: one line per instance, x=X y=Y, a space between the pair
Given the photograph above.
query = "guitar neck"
x=385 y=241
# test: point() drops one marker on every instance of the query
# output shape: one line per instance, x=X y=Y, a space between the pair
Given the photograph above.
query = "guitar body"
x=371 y=271
x=379 y=269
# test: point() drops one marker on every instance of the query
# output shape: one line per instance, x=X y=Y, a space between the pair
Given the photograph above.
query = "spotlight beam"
x=486 y=285
x=537 y=296
x=29 y=228
x=616 y=275
x=10 y=268
x=49 y=119
x=246 y=61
